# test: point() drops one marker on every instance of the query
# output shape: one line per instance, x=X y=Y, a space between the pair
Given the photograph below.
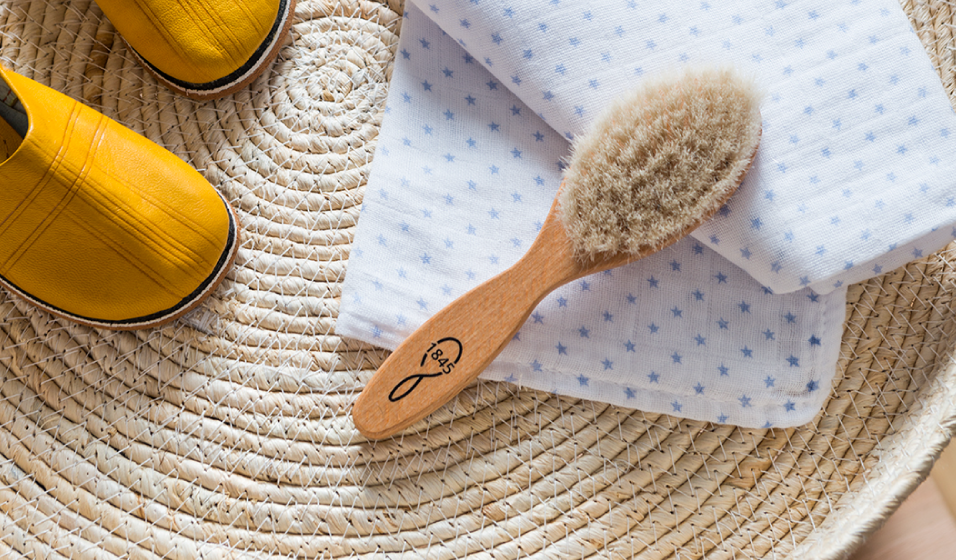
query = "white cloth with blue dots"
x=739 y=323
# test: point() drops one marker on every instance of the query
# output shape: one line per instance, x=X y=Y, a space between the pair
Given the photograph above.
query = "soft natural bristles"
x=659 y=162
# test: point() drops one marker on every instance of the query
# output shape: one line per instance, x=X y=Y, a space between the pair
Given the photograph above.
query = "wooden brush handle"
x=453 y=347
x=448 y=352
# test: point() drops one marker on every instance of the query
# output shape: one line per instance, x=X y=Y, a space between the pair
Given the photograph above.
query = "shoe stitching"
x=237 y=43
x=55 y=162
x=78 y=179
x=170 y=38
x=89 y=164
x=6 y=147
x=166 y=35
x=112 y=208
x=267 y=50
x=200 y=293
x=155 y=275
x=207 y=234
x=261 y=31
x=75 y=190
x=227 y=43
x=185 y=257
x=244 y=6
x=151 y=233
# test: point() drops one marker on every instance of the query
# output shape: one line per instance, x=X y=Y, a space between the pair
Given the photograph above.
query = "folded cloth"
x=465 y=173
x=855 y=171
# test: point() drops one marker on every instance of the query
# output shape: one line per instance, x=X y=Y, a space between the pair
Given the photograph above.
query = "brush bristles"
x=659 y=161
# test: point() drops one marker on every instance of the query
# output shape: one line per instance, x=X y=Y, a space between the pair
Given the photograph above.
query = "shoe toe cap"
x=195 y=41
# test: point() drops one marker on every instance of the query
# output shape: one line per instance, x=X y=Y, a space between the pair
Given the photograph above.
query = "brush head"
x=658 y=162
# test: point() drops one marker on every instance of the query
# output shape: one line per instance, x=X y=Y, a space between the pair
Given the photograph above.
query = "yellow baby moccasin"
x=202 y=48
x=97 y=223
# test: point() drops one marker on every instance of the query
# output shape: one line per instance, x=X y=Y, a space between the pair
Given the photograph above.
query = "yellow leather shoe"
x=97 y=223
x=202 y=48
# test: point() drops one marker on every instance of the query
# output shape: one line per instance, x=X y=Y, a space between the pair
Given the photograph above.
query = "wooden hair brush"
x=650 y=170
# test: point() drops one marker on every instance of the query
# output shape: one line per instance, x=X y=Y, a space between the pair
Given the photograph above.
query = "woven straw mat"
x=227 y=434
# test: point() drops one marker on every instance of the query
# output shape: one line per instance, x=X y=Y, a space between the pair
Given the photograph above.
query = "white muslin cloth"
x=739 y=323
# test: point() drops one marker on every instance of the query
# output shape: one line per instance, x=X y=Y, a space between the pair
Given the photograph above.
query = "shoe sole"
x=242 y=77
x=190 y=302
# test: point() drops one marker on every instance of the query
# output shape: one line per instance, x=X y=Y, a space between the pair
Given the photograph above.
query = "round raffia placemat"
x=227 y=435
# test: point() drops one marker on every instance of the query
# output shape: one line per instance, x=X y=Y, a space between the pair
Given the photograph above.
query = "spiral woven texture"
x=227 y=434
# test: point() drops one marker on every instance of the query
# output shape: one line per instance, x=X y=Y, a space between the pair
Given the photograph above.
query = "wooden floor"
x=924 y=527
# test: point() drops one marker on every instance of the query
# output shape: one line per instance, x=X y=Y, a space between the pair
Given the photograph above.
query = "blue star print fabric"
x=855 y=170
x=464 y=175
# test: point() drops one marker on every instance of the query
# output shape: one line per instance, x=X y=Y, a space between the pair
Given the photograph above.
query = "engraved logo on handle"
x=441 y=358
